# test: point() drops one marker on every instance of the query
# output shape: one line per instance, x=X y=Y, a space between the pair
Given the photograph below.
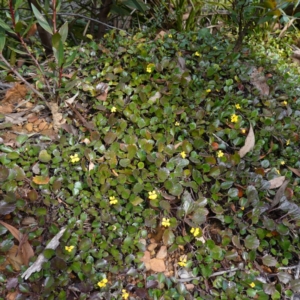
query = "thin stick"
x=87 y=18
x=212 y=275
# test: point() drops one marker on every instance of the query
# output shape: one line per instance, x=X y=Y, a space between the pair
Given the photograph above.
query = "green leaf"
x=199 y=216
x=56 y=38
x=168 y=237
x=6 y=27
x=64 y=32
x=251 y=242
x=163 y=174
x=187 y=202
x=110 y=137
x=44 y=156
x=41 y=20
x=269 y=261
x=2 y=39
x=18 y=3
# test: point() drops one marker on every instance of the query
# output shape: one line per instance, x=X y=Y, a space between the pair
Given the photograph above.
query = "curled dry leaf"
x=25 y=248
x=276 y=182
x=249 y=143
x=295 y=171
x=279 y=193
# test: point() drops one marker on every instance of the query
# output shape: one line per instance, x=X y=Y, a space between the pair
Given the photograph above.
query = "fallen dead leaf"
x=26 y=250
x=152 y=246
x=12 y=296
x=6 y=109
x=249 y=143
x=276 y=182
x=189 y=286
x=162 y=253
x=15 y=94
x=295 y=171
x=28 y=127
x=41 y=180
x=157 y=265
x=102 y=90
x=160 y=35
x=279 y=193
x=58 y=119
x=259 y=81
x=15 y=258
x=146 y=257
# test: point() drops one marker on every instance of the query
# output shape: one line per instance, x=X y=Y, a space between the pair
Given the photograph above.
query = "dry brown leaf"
x=15 y=94
x=152 y=246
x=276 y=182
x=279 y=193
x=58 y=119
x=157 y=265
x=162 y=253
x=12 y=296
x=160 y=35
x=41 y=180
x=295 y=171
x=259 y=81
x=249 y=143
x=15 y=258
x=146 y=257
x=6 y=109
x=102 y=89
x=26 y=250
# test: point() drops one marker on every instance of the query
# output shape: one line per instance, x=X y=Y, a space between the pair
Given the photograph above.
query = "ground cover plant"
x=176 y=175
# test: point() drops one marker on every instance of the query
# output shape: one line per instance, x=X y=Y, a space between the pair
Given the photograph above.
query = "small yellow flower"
x=208 y=90
x=220 y=153
x=89 y=36
x=252 y=284
x=237 y=106
x=284 y=103
x=69 y=248
x=287 y=142
x=234 y=118
x=243 y=130
x=195 y=231
x=102 y=283
x=74 y=158
x=113 y=200
x=182 y=261
x=170 y=35
x=183 y=154
x=113 y=109
x=125 y=295
x=165 y=222
x=152 y=195
x=149 y=68
x=282 y=162
x=197 y=54
x=242 y=208
x=177 y=123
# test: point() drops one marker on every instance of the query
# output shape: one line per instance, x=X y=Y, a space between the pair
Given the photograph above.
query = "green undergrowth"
x=177 y=112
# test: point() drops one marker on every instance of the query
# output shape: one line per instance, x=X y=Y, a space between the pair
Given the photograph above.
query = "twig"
x=87 y=18
x=297 y=271
x=212 y=275
x=288 y=268
x=220 y=139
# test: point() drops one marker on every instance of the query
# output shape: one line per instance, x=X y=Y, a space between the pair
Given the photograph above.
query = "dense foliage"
x=159 y=163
